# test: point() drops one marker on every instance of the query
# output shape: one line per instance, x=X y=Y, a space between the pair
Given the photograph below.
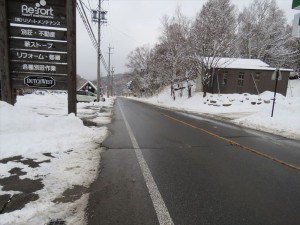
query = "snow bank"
x=39 y=128
x=243 y=109
x=37 y=133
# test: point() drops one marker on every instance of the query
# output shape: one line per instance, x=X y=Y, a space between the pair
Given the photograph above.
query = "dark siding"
x=265 y=83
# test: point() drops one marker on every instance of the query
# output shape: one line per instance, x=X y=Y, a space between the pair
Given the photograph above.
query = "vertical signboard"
x=39 y=52
x=296 y=26
x=38 y=41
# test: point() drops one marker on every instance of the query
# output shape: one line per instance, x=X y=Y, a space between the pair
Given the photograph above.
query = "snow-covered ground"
x=243 y=109
x=41 y=143
x=56 y=153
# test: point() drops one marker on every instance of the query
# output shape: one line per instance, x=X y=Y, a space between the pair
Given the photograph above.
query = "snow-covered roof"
x=249 y=64
x=88 y=82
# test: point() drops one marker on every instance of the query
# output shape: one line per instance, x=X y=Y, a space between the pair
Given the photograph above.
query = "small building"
x=235 y=75
x=88 y=86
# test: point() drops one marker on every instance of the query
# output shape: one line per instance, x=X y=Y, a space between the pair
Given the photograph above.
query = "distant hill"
x=120 y=82
x=80 y=81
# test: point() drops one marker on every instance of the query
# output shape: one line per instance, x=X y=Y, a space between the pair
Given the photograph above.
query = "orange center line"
x=238 y=144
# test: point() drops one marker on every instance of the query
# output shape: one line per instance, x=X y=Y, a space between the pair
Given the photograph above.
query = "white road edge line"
x=162 y=212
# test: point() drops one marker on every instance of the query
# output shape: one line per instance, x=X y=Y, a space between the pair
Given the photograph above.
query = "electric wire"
x=88 y=27
x=109 y=25
x=87 y=21
x=92 y=37
x=90 y=5
x=89 y=9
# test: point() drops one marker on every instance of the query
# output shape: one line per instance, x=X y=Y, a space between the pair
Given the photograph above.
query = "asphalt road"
x=167 y=167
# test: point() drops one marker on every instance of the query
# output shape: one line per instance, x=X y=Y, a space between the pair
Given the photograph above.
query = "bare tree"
x=193 y=49
x=213 y=36
x=173 y=49
x=139 y=63
x=144 y=66
x=262 y=32
x=291 y=51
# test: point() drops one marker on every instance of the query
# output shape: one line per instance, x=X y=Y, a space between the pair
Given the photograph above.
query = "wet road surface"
x=167 y=167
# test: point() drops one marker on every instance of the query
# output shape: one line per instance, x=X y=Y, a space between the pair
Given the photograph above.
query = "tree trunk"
x=189 y=87
x=181 y=89
x=204 y=91
x=199 y=85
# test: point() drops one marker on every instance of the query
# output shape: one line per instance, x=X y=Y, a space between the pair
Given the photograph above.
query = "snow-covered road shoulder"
x=253 y=111
x=48 y=159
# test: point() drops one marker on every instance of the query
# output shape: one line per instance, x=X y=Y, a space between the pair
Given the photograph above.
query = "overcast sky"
x=133 y=23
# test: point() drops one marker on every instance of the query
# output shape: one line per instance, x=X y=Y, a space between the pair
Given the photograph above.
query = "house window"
x=241 y=79
x=225 y=78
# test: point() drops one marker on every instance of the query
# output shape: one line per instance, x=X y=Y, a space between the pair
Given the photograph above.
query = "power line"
x=125 y=34
x=82 y=3
x=88 y=27
x=109 y=23
x=90 y=5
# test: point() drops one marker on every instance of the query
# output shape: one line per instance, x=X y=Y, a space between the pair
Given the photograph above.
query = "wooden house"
x=235 y=75
x=88 y=86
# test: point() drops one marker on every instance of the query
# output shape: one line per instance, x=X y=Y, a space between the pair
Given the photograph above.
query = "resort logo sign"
x=38 y=11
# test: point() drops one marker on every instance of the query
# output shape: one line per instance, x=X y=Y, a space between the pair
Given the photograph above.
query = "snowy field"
x=48 y=156
x=253 y=111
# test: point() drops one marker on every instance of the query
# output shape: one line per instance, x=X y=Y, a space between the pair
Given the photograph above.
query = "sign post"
x=71 y=22
x=277 y=77
x=42 y=46
x=6 y=91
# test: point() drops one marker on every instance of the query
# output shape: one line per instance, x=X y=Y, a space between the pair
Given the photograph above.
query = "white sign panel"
x=296 y=26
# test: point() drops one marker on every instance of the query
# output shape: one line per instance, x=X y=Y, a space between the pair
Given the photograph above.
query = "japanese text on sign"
x=38 y=12
x=38 y=67
x=37 y=21
x=36 y=55
x=41 y=33
x=36 y=44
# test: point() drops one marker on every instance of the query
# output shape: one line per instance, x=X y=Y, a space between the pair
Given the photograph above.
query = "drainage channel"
x=56 y=222
x=88 y=123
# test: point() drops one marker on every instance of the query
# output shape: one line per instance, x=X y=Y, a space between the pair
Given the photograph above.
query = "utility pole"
x=99 y=54
x=109 y=84
x=112 y=81
x=98 y=16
